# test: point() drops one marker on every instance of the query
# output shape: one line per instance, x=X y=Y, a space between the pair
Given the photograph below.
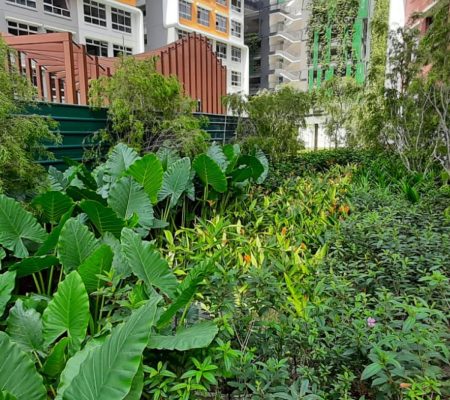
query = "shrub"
x=272 y=120
x=21 y=137
x=147 y=110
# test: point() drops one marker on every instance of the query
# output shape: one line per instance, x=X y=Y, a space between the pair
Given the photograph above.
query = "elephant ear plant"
x=83 y=293
x=103 y=295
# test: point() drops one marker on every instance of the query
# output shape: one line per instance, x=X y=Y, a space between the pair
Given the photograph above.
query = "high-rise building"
x=106 y=27
x=221 y=21
x=276 y=35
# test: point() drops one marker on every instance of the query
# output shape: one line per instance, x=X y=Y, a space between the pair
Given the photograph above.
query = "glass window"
x=236 y=54
x=185 y=9
x=97 y=48
x=19 y=29
x=221 y=23
x=26 y=3
x=236 y=29
x=58 y=7
x=203 y=16
x=235 y=78
x=121 y=20
x=119 y=50
x=94 y=13
x=236 y=5
x=221 y=50
x=222 y=2
x=182 y=34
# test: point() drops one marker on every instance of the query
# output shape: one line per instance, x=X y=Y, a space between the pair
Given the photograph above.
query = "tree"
x=21 y=137
x=273 y=120
x=337 y=98
x=147 y=109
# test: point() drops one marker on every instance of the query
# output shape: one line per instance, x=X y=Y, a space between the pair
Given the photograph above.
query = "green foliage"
x=147 y=109
x=25 y=383
x=273 y=120
x=21 y=138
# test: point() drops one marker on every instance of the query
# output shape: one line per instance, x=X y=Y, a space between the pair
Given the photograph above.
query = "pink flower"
x=371 y=322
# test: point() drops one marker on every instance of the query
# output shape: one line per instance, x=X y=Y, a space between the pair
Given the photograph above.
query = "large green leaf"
x=128 y=197
x=147 y=264
x=148 y=172
x=56 y=360
x=72 y=368
x=176 y=181
x=232 y=152
x=186 y=291
x=265 y=163
x=68 y=312
x=108 y=371
x=103 y=218
x=25 y=327
x=120 y=159
x=18 y=375
x=210 y=173
x=194 y=337
x=248 y=167
x=30 y=265
x=216 y=153
x=79 y=194
x=137 y=385
x=76 y=243
x=52 y=239
x=167 y=156
x=53 y=205
x=119 y=263
x=7 y=283
x=97 y=263
x=16 y=226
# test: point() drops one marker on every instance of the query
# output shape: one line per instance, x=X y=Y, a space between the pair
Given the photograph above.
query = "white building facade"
x=106 y=27
x=221 y=21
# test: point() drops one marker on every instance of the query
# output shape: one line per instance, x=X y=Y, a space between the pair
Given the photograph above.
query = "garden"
x=166 y=266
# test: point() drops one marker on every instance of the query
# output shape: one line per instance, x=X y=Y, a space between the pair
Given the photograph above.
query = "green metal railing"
x=77 y=123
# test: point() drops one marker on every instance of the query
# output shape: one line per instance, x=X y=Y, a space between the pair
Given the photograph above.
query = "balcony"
x=279 y=51
x=290 y=76
x=278 y=30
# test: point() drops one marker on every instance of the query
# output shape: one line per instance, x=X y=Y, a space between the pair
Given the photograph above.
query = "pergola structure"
x=62 y=69
x=59 y=67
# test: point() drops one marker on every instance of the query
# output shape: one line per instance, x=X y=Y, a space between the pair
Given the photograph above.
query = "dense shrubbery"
x=332 y=284
x=21 y=137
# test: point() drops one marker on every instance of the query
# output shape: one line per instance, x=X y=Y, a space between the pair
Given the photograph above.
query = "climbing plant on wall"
x=334 y=37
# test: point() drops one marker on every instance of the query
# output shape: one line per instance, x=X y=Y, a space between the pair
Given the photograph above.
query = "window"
x=236 y=54
x=94 y=13
x=221 y=50
x=236 y=5
x=236 y=29
x=58 y=7
x=222 y=2
x=19 y=29
x=97 y=47
x=182 y=34
x=203 y=16
x=26 y=3
x=119 y=50
x=221 y=23
x=121 y=20
x=428 y=22
x=235 y=78
x=185 y=9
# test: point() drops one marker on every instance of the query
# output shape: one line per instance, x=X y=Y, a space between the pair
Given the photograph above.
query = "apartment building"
x=221 y=21
x=275 y=32
x=414 y=7
x=106 y=27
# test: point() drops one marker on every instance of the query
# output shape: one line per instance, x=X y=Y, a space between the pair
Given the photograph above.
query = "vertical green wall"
x=353 y=39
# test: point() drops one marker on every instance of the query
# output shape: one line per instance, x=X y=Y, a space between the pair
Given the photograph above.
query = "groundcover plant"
x=160 y=277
